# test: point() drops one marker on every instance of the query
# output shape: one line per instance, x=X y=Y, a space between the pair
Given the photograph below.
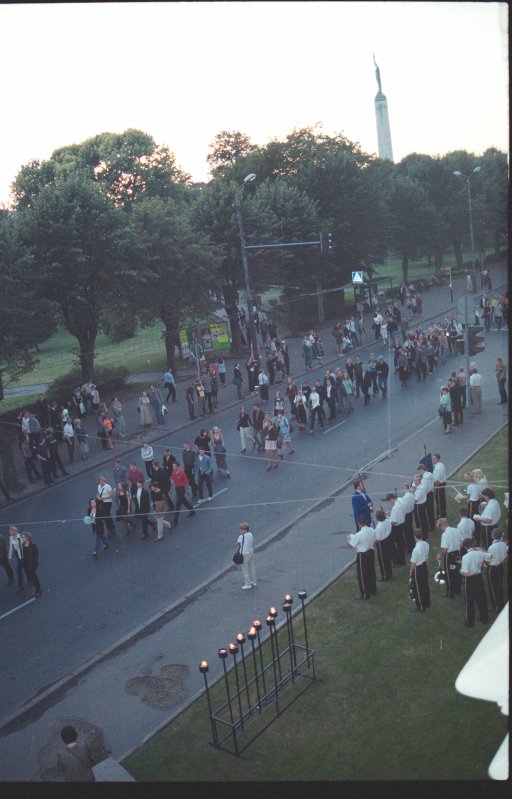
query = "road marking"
x=4 y=616
x=334 y=427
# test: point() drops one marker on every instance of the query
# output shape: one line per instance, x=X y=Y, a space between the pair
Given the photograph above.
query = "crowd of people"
x=468 y=551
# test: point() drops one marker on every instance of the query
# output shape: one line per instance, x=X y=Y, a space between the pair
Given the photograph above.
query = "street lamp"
x=467 y=178
x=252 y=329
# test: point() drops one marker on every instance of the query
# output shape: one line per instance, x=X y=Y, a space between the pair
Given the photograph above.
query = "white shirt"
x=427 y=480
x=439 y=472
x=146 y=454
x=497 y=553
x=474 y=489
x=466 y=527
x=420 y=495
x=407 y=502
x=105 y=492
x=475 y=381
x=420 y=552
x=314 y=399
x=247 y=548
x=363 y=540
x=492 y=511
x=451 y=539
x=473 y=561
x=397 y=514
x=68 y=429
x=382 y=530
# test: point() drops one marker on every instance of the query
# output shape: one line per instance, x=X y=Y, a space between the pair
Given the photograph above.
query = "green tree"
x=226 y=150
x=411 y=217
x=181 y=266
x=83 y=256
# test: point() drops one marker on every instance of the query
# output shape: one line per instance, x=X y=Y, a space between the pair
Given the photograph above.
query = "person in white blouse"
x=383 y=544
x=478 y=482
x=364 y=542
x=419 y=573
x=490 y=516
x=474 y=591
x=245 y=543
x=420 y=505
x=466 y=525
x=427 y=480
x=451 y=542
x=439 y=475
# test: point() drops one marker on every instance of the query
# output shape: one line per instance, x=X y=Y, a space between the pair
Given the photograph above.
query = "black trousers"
x=475 y=595
x=31 y=470
x=473 y=508
x=171 y=392
x=7 y=566
x=486 y=534
x=331 y=404
x=495 y=578
x=409 y=533
x=103 y=513
x=440 y=497
x=420 y=588
x=189 y=471
x=32 y=578
x=56 y=461
x=146 y=523
x=181 y=499
x=384 y=558
x=366 y=573
x=318 y=411
x=453 y=578
x=430 y=510
x=205 y=478
x=397 y=545
x=421 y=519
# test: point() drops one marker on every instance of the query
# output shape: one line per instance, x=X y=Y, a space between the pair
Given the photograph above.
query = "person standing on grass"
x=496 y=556
x=419 y=573
x=245 y=542
x=238 y=380
x=383 y=545
x=474 y=590
x=364 y=542
x=439 y=475
x=451 y=541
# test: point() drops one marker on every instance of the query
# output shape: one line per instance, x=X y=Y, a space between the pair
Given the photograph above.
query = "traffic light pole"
x=466 y=349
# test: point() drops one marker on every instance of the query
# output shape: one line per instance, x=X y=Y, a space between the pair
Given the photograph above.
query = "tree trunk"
x=405 y=268
x=87 y=354
x=457 y=249
x=171 y=326
x=438 y=262
x=232 y=312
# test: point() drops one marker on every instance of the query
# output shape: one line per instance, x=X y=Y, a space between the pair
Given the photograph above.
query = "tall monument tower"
x=381 y=114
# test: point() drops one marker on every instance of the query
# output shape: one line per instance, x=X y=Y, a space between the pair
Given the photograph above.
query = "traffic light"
x=476 y=342
x=325 y=241
x=459 y=345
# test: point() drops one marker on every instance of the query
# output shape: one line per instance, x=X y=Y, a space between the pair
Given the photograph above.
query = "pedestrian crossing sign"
x=357 y=278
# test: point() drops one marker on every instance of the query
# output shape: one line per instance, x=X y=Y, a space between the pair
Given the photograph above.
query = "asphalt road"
x=89 y=604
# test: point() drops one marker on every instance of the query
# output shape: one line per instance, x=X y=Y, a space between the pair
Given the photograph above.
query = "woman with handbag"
x=219 y=450
x=445 y=409
x=245 y=544
x=144 y=408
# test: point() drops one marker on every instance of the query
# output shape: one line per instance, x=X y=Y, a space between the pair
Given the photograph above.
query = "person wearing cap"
x=75 y=760
x=364 y=542
x=451 y=541
x=496 y=556
x=474 y=590
x=419 y=573
x=475 y=386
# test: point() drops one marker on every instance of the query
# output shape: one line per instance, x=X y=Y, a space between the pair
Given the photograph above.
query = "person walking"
x=104 y=498
x=16 y=554
x=243 y=424
x=123 y=503
x=147 y=455
x=221 y=369
x=188 y=456
x=75 y=761
x=271 y=434
x=170 y=385
x=489 y=516
x=181 y=482
x=419 y=573
x=245 y=542
x=258 y=417
x=203 y=470
x=98 y=528
x=31 y=562
x=364 y=543
x=190 y=400
x=501 y=377
x=474 y=590
x=219 y=450
x=316 y=410
x=141 y=502
x=160 y=506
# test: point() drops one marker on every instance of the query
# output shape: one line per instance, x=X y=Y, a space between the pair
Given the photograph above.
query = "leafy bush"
x=109 y=380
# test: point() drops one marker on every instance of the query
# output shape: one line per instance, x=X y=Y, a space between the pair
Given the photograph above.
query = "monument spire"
x=382 y=117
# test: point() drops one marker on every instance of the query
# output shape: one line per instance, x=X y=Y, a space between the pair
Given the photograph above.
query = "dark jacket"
x=30 y=557
x=144 y=506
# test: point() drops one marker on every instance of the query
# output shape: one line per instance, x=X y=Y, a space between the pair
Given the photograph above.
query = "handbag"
x=238 y=557
x=441 y=409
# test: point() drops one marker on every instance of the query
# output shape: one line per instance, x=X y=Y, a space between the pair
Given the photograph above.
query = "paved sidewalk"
x=436 y=303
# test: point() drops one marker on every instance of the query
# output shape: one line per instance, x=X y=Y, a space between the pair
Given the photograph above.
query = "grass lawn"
x=384 y=705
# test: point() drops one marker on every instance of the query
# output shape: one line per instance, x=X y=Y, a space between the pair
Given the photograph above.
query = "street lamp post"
x=467 y=178
x=252 y=328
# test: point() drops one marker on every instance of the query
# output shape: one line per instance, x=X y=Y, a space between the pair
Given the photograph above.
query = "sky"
x=183 y=72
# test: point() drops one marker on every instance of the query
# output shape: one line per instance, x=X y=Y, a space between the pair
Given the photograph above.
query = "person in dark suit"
x=142 y=507
x=31 y=562
x=361 y=504
x=75 y=761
